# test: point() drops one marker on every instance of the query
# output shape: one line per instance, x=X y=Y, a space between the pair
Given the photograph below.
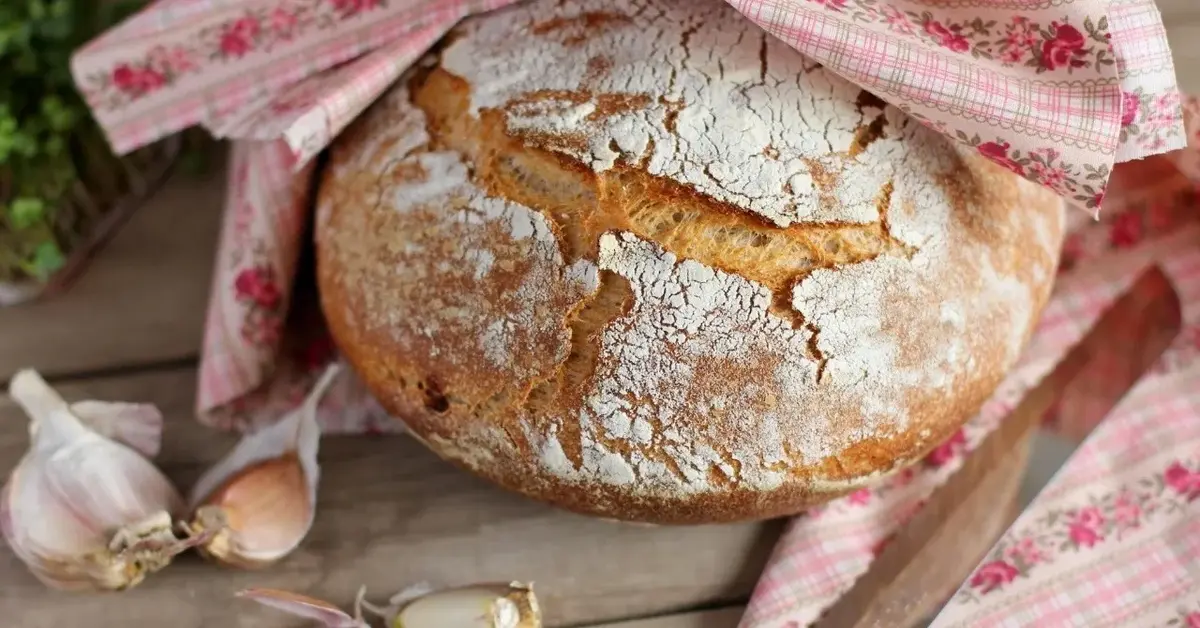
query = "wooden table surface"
x=390 y=513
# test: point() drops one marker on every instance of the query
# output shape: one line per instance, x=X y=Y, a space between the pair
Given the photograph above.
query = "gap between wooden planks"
x=390 y=514
x=727 y=617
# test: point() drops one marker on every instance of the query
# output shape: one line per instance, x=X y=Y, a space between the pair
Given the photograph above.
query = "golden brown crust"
x=619 y=337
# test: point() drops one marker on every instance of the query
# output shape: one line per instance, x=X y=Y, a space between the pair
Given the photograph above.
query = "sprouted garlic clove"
x=511 y=605
x=488 y=605
x=258 y=503
x=81 y=510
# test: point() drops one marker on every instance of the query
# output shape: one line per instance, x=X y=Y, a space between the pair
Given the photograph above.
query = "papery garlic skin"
x=138 y=425
x=260 y=500
x=82 y=511
x=316 y=610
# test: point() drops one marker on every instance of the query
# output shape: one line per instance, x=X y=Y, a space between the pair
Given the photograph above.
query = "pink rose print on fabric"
x=258 y=286
x=860 y=497
x=950 y=38
x=1020 y=39
x=1083 y=535
x=1083 y=530
x=283 y=22
x=239 y=37
x=1130 y=104
x=1012 y=56
x=263 y=330
x=1090 y=516
x=1192 y=620
x=1025 y=551
x=175 y=60
x=1126 y=230
x=993 y=575
x=259 y=30
x=137 y=81
x=1051 y=176
x=1183 y=481
x=1065 y=49
x=1127 y=513
x=947 y=451
x=896 y=20
x=1164 y=107
x=998 y=152
x=1060 y=534
x=349 y=8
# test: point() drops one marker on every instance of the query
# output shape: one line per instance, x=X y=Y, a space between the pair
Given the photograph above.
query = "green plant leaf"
x=25 y=212
x=37 y=9
x=43 y=124
x=59 y=117
x=47 y=258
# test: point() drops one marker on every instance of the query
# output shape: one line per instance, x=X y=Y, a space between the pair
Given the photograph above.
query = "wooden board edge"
x=723 y=617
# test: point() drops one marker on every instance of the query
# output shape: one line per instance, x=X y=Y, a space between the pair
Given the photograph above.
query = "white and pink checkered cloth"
x=1057 y=91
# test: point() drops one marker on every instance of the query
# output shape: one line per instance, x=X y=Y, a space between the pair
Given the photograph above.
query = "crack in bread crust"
x=681 y=220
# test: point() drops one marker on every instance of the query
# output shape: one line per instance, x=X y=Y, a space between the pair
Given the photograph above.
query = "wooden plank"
x=142 y=299
x=391 y=514
x=727 y=617
x=1182 y=19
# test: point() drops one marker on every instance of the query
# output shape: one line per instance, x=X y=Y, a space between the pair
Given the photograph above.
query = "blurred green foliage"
x=43 y=125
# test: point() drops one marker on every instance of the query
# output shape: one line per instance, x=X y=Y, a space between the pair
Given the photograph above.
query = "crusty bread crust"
x=641 y=260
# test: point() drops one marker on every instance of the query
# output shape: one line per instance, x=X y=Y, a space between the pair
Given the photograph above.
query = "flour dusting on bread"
x=736 y=113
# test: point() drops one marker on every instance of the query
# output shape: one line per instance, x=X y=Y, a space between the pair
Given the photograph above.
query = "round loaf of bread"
x=641 y=260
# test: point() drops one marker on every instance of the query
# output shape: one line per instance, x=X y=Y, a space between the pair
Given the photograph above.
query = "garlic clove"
x=263 y=512
x=260 y=500
x=138 y=425
x=510 y=605
x=80 y=510
x=408 y=594
x=321 y=611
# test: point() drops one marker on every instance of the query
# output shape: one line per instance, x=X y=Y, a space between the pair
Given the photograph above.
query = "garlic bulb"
x=83 y=511
x=510 y=605
x=258 y=503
